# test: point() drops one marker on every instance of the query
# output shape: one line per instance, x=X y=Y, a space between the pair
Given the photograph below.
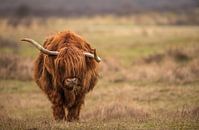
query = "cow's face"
x=70 y=83
x=70 y=66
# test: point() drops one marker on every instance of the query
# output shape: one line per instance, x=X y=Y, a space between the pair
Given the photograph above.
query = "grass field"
x=149 y=76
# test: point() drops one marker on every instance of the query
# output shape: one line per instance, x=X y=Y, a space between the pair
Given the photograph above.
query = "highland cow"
x=66 y=69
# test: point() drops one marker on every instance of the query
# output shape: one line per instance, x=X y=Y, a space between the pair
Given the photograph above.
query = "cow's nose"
x=70 y=82
x=75 y=80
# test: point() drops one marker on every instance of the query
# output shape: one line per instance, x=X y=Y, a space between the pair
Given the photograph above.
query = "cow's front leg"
x=74 y=111
x=58 y=112
x=57 y=105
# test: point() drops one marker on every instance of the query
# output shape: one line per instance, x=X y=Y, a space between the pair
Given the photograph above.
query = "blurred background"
x=149 y=77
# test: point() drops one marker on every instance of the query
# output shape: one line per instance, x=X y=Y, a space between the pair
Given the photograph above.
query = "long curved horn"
x=97 y=58
x=54 y=53
x=41 y=48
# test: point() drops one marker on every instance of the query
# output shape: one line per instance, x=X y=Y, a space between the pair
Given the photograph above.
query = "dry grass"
x=7 y=43
x=173 y=66
x=148 y=78
x=15 y=67
x=115 y=110
x=119 y=106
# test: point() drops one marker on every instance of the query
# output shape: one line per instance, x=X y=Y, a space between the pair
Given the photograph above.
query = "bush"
x=14 y=67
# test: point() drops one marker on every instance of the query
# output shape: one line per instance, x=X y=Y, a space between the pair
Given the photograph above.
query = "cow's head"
x=69 y=64
x=55 y=53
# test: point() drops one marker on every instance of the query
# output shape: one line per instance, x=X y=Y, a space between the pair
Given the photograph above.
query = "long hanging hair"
x=70 y=62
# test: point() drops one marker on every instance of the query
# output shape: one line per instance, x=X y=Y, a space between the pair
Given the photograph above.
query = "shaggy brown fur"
x=52 y=73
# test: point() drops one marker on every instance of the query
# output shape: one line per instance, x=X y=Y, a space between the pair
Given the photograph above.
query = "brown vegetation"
x=148 y=76
x=15 y=67
x=9 y=44
x=115 y=110
x=172 y=66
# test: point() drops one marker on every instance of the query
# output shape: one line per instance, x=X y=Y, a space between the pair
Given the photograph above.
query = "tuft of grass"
x=116 y=111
